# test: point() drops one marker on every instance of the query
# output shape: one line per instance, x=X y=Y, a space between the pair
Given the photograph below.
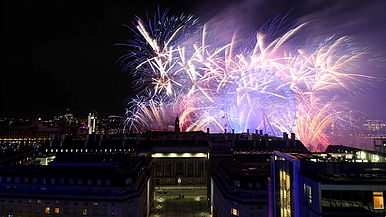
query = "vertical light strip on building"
x=285 y=194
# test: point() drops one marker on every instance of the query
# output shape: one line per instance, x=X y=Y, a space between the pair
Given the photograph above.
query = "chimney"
x=62 y=139
x=100 y=140
x=261 y=132
x=248 y=131
x=233 y=131
x=207 y=130
x=293 y=136
x=285 y=137
x=293 y=139
x=225 y=131
x=266 y=139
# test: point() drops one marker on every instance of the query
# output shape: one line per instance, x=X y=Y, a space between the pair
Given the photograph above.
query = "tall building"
x=92 y=122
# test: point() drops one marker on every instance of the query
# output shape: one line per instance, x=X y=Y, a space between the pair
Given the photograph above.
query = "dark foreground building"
x=79 y=185
x=345 y=182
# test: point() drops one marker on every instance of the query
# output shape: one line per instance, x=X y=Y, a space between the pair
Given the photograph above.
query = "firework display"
x=266 y=82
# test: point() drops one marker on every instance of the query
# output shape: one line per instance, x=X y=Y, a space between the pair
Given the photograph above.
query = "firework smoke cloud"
x=213 y=75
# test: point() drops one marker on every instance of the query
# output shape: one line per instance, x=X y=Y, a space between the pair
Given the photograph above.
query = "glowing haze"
x=211 y=75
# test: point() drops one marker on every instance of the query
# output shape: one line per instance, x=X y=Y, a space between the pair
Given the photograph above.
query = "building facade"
x=327 y=184
x=79 y=185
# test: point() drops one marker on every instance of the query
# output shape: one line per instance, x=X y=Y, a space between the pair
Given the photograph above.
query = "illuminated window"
x=378 y=199
x=57 y=210
x=95 y=204
x=234 y=212
x=307 y=194
x=47 y=210
x=285 y=193
x=85 y=211
x=38 y=201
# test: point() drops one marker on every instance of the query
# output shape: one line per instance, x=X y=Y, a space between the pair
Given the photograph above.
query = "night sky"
x=58 y=54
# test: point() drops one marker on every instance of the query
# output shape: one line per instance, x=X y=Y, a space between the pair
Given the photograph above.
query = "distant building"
x=92 y=122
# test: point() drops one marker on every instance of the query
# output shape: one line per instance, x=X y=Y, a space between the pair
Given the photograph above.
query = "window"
x=43 y=181
x=190 y=181
x=250 y=185
x=378 y=199
x=80 y=181
x=71 y=181
x=236 y=183
x=108 y=182
x=89 y=181
x=258 y=186
x=35 y=180
x=234 y=212
x=29 y=209
x=99 y=182
x=8 y=179
x=37 y=210
x=17 y=179
x=61 y=181
x=47 y=210
x=25 y=180
x=38 y=201
x=57 y=210
x=85 y=211
x=57 y=202
x=52 y=181
x=20 y=209
x=95 y=204
x=29 y=201
x=308 y=194
x=167 y=181
x=76 y=211
x=128 y=181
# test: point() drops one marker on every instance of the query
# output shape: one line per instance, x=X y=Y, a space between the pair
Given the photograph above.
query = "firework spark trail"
x=236 y=84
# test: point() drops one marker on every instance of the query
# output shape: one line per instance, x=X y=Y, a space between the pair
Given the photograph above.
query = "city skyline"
x=59 y=60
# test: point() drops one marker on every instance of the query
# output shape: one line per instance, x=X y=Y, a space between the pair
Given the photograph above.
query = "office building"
x=337 y=183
